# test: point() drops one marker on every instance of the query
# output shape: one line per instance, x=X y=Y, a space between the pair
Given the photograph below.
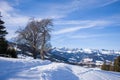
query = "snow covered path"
x=24 y=69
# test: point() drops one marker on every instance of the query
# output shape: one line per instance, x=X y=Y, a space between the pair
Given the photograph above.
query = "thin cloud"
x=56 y=11
x=10 y=16
x=11 y=34
x=73 y=22
x=60 y=10
x=82 y=25
x=81 y=22
x=72 y=29
x=63 y=10
x=109 y=2
x=5 y=7
x=86 y=36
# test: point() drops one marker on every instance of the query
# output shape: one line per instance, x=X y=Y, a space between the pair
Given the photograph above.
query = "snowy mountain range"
x=87 y=50
x=77 y=55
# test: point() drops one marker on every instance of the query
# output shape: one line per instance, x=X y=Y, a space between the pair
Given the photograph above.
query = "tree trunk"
x=42 y=47
x=34 y=56
x=42 y=51
x=34 y=53
x=42 y=54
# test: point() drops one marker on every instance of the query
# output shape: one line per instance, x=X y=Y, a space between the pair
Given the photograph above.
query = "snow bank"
x=25 y=69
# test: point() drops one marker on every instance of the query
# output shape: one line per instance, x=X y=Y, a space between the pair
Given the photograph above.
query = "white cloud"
x=11 y=34
x=73 y=22
x=16 y=21
x=81 y=22
x=109 y=2
x=62 y=10
x=11 y=18
x=5 y=7
x=81 y=25
x=72 y=29
x=86 y=36
x=10 y=15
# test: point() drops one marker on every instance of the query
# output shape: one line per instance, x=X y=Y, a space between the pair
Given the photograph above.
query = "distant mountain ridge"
x=77 y=55
x=87 y=50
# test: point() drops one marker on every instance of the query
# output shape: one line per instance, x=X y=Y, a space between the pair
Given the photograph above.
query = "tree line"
x=115 y=66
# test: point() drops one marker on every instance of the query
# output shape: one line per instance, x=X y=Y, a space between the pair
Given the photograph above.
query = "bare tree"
x=45 y=26
x=36 y=36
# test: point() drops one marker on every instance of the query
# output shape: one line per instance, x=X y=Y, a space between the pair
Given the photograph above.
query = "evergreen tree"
x=111 y=67
x=108 y=67
x=11 y=52
x=103 y=66
x=117 y=64
x=3 y=42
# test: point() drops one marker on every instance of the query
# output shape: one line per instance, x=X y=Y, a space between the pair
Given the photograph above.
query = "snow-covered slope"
x=26 y=69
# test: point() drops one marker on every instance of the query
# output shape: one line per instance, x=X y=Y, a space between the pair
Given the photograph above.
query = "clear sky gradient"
x=77 y=23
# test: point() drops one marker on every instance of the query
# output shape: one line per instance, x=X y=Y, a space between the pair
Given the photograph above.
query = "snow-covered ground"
x=27 y=69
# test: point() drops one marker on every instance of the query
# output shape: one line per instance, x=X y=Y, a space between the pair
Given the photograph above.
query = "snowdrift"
x=27 y=69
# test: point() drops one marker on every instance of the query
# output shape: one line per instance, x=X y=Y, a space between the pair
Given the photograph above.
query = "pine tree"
x=103 y=66
x=117 y=64
x=3 y=42
x=11 y=52
x=108 y=67
x=111 y=67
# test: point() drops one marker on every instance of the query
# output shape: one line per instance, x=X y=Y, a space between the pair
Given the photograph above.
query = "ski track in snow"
x=23 y=69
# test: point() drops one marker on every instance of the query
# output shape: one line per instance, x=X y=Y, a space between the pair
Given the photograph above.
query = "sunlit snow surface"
x=29 y=69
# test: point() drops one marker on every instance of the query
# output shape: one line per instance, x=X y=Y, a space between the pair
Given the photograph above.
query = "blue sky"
x=77 y=23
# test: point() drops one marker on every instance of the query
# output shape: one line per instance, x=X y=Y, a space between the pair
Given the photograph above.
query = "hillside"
x=28 y=69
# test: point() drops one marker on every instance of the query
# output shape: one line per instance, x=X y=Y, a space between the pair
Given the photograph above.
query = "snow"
x=99 y=62
x=87 y=50
x=87 y=60
x=69 y=51
x=30 y=69
x=117 y=52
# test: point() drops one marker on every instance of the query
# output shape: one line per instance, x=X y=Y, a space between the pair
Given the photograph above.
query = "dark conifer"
x=117 y=64
x=103 y=66
x=3 y=42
